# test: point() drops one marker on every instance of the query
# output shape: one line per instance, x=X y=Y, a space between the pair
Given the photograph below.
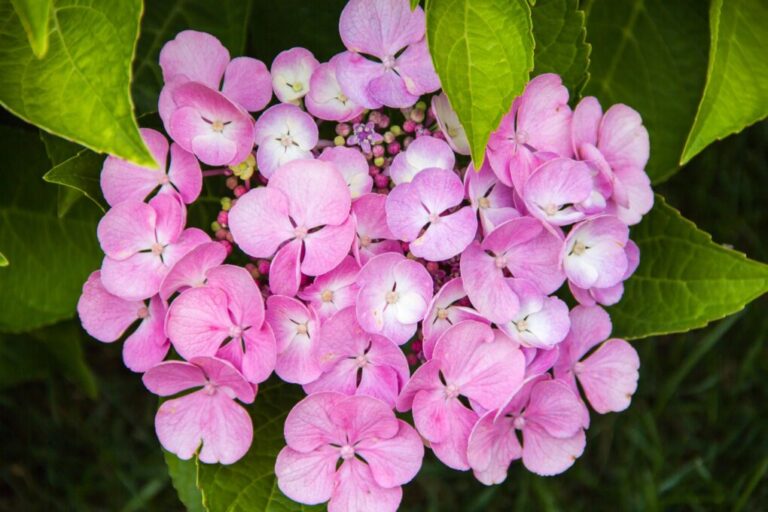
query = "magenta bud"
x=378 y=150
x=381 y=181
x=343 y=129
x=231 y=182
x=409 y=126
x=416 y=346
x=222 y=218
x=240 y=190
x=227 y=245
x=432 y=267
x=393 y=148
x=413 y=359
x=221 y=234
x=263 y=267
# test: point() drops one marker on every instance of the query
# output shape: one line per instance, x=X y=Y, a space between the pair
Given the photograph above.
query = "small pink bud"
x=222 y=218
x=231 y=182
x=409 y=126
x=240 y=190
x=263 y=267
x=343 y=129
x=432 y=267
x=383 y=121
x=413 y=359
x=393 y=148
x=381 y=180
x=416 y=346
x=417 y=115
x=378 y=150
x=221 y=234
x=227 y=245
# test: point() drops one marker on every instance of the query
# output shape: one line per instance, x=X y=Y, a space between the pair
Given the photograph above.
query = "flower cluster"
x=372 y=247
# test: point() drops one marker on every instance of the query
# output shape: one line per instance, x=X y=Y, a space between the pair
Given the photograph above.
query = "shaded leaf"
x=81 y=173
x=651 y=55
x=685 y=280
x=559 y=28
x=3 y=260
x=34 y=15
x=81 y=89
x=736 y=93
x=184 y=479
x=51 y=257
x=483 y=53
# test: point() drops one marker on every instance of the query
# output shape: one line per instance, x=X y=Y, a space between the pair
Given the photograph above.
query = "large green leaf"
x=80 y=173
x=736 y=94
x=651 y=55
x=250 y=484
x=184 y=478
x=80 y=90
x=225 y=19
x=51 y=257
x=685 y=280
x=34 y=15
x=3 y=260
x=561 y=46
x=60 y=150
x=483 y=52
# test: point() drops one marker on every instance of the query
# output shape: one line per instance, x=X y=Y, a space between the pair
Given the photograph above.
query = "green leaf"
x=81 y=89
x=736 y=94
x=34 y=15
x=684 y=280
x=58 y=151
x=652 y=56
x=3 y=260
x=414 y=4
x=225 y=19
x=51 y=257
x=559 y=29
x=483 y=53
x=184 y=479
x=80 y=172
x=250 y=484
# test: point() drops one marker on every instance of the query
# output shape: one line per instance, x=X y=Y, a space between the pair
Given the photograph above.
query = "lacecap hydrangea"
x=359 y=254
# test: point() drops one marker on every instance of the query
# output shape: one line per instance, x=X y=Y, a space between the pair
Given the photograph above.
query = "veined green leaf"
x=34 y=15
x=81 y=173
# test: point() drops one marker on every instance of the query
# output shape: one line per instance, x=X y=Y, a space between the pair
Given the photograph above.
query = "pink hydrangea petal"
x=545 y=116
x=356 y=489
x=416 y=69
x=449 y=124
x=425 y=378
x=188 y=240
x=223 y=374
x=297 y=360
x=271 y=154
x=405 y=214
x=135 y=278
x=307 y=477
x=390 y=89
x=247 y=83
x=171 y=377
x=217 y=149
x=585 y=123
x=448 y=237
x=600 y=259
x=287 y=119
x=486 y=286
x=127 y=229
x=394 y=461
x=492 y=447
x=555 y=409
x=354 y=73
x=546 y=455
x=121 y=180
x=310 y=424
x=185 y=173
x=198 y=322
x=589 y=326
x=353 y=168
x=148 y=345
x=190 y=270
x=423 y=153
x=325 y=99
x=458 y=421
x=284 y=273
x=640 y=196
x=544 y=328
x=197 y=55
x=554 y=186
x=171 y=217
x=326 y=248
x=363 y=417
x=260 y=355
x=379 y=382
x=380 y=28
x=623 y=138
x=333 y=291
x=386 y=354
x=291 y=73
x=609 y=376
x=370 y=213
x=245 y=304
x=316 y=192
x=340 y=378
x=260 y=222
x=104 y=315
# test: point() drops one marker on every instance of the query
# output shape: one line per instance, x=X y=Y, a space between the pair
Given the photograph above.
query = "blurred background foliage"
x=77 y=431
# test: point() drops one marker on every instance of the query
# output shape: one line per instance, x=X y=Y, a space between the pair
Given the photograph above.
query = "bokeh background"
x=76 y=427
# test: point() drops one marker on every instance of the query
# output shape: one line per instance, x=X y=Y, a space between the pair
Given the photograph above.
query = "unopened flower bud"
x=239 y=190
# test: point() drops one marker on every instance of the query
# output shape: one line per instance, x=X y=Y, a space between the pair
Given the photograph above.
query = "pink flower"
x=554 y=190
x=423 y=153
x=610 y=295
x=393 y=297
x=449 y=124
x=333 y=291
x=200 y=57
x=616 y=145
x=548 y=415
x=107 y=317
x=142 y=242
x=353 y=168
x=301 y=217
x=541 y=322
x=291 y=71
x=122 y=180
x=207 y=416
x=192 y=270
x=355 y=362
x=348 y=450
x=326 y=100
x=373 y=236
x=229 y=308
x=446 y=310
x=419 y=212
x=539 y=121
x=527 y=249
x=467 y=361
x=296 y=329
x=389 y=31
x=594 y=253
x=283 y=133
x=492 y=200
x=609 y=374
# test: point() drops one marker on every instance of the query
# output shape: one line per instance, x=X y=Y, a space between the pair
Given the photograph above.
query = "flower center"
x=500 y=261
x=217 y=126
x=579 y=248
x=342 y=98
x=451 y=391
x=550 y=209
x=157 y=249
x=522 y=325
x=361 y=361
x=209 y=388
x=442 y=313
x=389 y=62
x=143 y=312
x=297 y=87
x=164 y=179
x=327 y=295
x=302 y=328
x=346 y=452
x=286 y=140
x=391 y=297
x=578 y=367
x=519 y=423
x=484 y=203
x=300 y=232
x=521 y=137
x=434 y=217
x=235 y=331
x=365 y=241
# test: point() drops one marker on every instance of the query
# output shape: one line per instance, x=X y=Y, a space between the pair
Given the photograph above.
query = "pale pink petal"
x=260 y=222
x=370 y=213
x=492 y=447
x=325 y=249
x=121 y=180
x=486 y=285
x=127 y=229
x=247 y=83
x=185 y=174
x=546 y=455
x=353 y=168
x=357 y=490
x=416 y=69
x=325 y=99
x=135 y=278
x=544 y=116
x=197 y=55
x=553 y=189
x=623 y=138
x=425 y=378
x=451 y=449
x=541 y=327
x=148 y=344
x=390 y=90
x=190 y=271
x=284 y=273
x=423 y=153
x=446 y=237
x=171 y=377
x=223 y=375
x=396 y=460
x=288 y=122
x=555 y=409
x=363 y=417
x=609 y=376
x=594 y=255
x=405 y=215
x=585 y=123
x=449 y=124
x=103 y=315
x=245 y=304
x=381 y=382
x=291 y=73
x=307 y=477
x=171 y=217
x=640 y=197
x=340 y=378
x=198 y=322
x=380 y=28
x=188 y=240
x=296 y=333
x=354 y=72
x=310 y=423
x=333 y=291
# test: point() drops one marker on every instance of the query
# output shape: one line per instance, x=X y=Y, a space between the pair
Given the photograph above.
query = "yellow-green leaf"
x=34 y=15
